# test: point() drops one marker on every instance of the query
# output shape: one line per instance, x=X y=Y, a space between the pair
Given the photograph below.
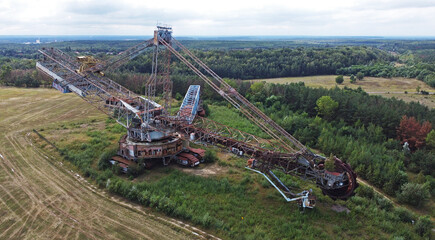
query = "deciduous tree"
x=326 y=106
x=352 y=78
x=411 y=131
x=430 y=139
x=360 y=75
x=339 y=79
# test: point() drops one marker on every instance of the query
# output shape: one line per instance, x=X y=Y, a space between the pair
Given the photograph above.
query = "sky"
x=219 y=18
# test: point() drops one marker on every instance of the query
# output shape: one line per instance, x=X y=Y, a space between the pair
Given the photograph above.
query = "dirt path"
x=362 y=181
x=41 y=199
x=396 y=204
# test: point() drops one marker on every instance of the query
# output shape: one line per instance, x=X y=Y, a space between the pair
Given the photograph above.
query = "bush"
x=384 y=203
x=430 y=183
x=210 y=156
x=135 y=170
x=364 y=191
x=404 y=214
x=103 y=162
x=206 y=109
x=116 y=169
x=414 y=194
x=178 y=96
x=423 y=226
x=339 y=79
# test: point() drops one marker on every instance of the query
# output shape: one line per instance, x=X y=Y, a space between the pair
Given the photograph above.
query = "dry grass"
x=42 y=197
x=387 y=87
x=427 y=100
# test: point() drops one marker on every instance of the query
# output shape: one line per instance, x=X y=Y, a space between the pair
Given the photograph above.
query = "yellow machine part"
x=86 y=62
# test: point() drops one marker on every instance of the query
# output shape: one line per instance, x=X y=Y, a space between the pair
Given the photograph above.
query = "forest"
x=255 y=59
x=272 y=63
x=365 y=130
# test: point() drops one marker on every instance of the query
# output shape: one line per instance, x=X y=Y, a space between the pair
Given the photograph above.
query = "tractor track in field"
x=41 y=198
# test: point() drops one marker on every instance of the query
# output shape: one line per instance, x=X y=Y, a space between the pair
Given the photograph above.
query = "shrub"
x=103 y=162
x=103 y=176
x=339 y=79
x=178 y=96
x=206 y=220
x=414 y=194
x=206 y=109
x=430 y=183
x=364 y=191
x=360 y=75
x=116 y=169
x=423 y=226
x=384 y=203
x=404 y=214
x=210 y=156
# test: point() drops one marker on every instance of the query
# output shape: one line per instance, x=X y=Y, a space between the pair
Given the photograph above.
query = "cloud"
x=94 y=7
x=224 y=17
x=394 y=4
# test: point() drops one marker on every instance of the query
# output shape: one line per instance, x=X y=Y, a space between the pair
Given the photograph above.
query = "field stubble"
x=42 y=198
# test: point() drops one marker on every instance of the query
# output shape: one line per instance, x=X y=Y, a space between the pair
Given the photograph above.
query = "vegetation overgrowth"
x=238 y=204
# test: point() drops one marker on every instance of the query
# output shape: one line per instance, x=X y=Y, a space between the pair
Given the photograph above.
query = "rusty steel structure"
x=148 y=122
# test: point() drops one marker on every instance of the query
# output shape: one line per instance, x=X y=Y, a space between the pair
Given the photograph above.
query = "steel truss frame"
x=283 y=152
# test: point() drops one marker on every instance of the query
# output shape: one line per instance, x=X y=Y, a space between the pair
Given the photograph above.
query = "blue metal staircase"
x=189 y=107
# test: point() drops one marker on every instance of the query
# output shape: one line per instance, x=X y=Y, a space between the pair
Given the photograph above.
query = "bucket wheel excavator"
x=152 y=133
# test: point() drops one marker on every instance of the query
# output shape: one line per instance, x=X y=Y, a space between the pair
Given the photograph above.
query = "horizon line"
x=132 y=35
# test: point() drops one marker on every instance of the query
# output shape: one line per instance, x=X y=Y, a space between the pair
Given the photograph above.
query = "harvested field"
x=41 y=197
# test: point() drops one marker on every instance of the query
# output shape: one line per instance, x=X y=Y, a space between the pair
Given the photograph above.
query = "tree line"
x=271 y=63
x=422 y=71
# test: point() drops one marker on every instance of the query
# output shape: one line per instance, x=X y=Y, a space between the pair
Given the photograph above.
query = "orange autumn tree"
x=411 y=131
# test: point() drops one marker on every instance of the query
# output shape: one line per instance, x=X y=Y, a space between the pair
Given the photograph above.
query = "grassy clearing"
x=368 y=84
x=230 y=117
x=427 y=100
x=387 y=87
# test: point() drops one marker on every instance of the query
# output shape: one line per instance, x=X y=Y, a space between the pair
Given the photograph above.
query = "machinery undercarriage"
x=152 y=133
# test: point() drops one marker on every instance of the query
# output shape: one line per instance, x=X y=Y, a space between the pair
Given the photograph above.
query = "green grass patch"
x=231 y=117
